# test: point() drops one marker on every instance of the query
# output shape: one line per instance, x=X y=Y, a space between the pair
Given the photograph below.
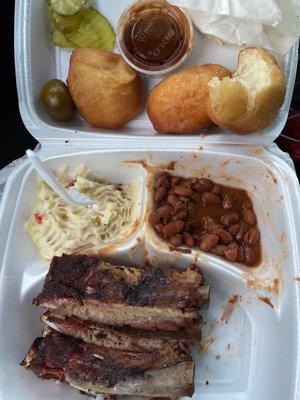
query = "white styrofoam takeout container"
x=255 y=355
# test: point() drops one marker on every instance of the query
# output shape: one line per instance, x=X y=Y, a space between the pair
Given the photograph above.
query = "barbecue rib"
x=90 y=289
x=123 y=338
x=95 y=370
x=119 y=330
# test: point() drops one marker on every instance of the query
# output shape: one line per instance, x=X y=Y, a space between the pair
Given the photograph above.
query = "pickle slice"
x=67 y=7
x=93 y=31
x=86 y=28
x=59 y=39
x=66 y=24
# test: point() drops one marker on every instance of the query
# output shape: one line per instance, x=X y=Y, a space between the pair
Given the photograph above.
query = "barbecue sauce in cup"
x=154 y=37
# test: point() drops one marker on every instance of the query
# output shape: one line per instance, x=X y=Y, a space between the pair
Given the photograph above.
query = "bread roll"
x=250 y=100
x=177 y=104
x=106 y=90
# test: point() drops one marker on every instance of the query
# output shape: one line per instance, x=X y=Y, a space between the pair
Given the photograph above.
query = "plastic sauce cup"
x=154 y=37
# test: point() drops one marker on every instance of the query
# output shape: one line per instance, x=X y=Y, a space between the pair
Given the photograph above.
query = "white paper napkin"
x=272 y=24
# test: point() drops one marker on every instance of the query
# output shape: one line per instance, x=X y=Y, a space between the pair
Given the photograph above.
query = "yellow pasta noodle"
x=57 y=227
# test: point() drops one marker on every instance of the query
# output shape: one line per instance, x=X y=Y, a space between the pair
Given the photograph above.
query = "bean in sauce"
x=197 y=212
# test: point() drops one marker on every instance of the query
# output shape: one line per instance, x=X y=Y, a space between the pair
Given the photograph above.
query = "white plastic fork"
x=72 y=196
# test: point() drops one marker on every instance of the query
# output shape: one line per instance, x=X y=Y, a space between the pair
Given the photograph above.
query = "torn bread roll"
x=250 y=100
x=177 y=104
x=106 y=90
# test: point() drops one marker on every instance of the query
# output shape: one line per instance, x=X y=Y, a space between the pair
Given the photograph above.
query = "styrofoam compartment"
x=37 y=61
x=255 y=355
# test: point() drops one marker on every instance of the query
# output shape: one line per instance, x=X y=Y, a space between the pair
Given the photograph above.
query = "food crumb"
x=257 y=151
x=180 y=250
x=272 y=176
x=266 y=300
x=143 y=163
x=229 y=308
x=110 y=397
x=218 y=357
x=170 y=166
x=235 y=298
x=297 y=279
x=275 y=287
x=205 y=343
x=228 y=346
x=192 y=157
x=223 y=163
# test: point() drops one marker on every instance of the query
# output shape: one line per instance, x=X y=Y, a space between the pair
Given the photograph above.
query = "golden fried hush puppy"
x=106 y=90
x=177 y=104
x=250 y=100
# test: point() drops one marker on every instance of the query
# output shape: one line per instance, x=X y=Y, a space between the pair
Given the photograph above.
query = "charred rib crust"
x=82 y=277
x=56 y=357
x=156 y=286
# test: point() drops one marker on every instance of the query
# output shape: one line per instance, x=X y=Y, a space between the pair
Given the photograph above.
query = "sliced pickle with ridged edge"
x=86 y=28
x=67 y=7
x=94 y=31
x=66 y=24
x=59 y=39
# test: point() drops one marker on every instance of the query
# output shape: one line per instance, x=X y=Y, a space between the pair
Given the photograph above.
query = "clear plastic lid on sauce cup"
x=154 y=37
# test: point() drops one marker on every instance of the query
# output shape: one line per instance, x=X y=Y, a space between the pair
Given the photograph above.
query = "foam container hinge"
x=250 y=353
x=37 y=61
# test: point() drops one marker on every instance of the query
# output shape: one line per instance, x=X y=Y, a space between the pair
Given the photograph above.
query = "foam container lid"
x=37 y=61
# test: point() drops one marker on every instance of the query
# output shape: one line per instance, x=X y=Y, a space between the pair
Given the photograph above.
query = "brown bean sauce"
x=197 y=212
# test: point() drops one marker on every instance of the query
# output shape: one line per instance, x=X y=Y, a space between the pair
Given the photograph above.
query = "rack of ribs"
x=119 y=330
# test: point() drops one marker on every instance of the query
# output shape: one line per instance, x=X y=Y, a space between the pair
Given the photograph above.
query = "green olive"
x=57 y=101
